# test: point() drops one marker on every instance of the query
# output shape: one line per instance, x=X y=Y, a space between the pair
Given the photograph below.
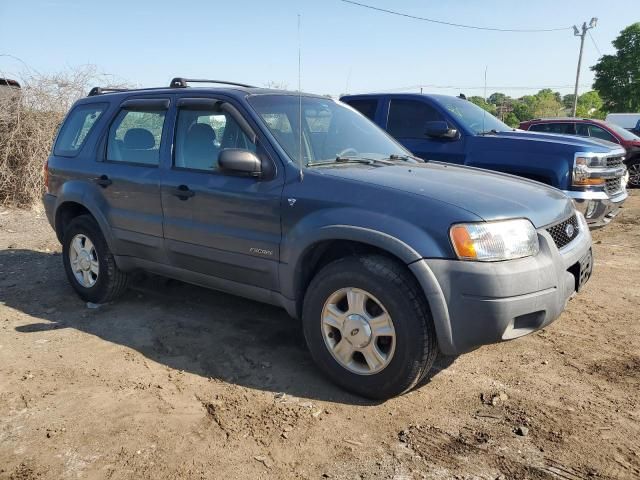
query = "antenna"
x=300 y=101
x=484 y=114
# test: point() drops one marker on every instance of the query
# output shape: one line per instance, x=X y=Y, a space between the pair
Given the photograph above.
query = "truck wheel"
x=633 y=167
x=89 y=264
x=368 y=327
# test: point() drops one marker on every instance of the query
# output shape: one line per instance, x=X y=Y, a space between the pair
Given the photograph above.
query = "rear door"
x=128 y=176
x=406 y=121
x=217 y=224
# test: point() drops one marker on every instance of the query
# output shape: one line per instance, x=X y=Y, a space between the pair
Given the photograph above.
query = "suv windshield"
x=624 y=133
x=473 y=117
x=329 y=129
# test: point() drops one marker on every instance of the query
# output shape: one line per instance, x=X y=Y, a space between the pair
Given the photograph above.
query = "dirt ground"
x=175 y=381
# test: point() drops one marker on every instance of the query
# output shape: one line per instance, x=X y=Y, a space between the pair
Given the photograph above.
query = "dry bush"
x=29 y=119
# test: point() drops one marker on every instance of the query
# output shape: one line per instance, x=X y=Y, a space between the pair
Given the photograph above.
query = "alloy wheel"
x=83 y=259
x=358 y=331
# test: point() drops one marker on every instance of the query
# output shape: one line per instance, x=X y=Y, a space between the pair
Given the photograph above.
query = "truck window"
x=365 y=107
x=134 y=137
x=601 y=133
x=407 y=118
x=76 y=128
x=565 y=128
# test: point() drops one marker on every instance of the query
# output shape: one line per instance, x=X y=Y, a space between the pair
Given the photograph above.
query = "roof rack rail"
x=180 y=82
x=100 y=90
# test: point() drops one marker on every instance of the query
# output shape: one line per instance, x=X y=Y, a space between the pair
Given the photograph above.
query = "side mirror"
x=439 y=129
x=237 y=161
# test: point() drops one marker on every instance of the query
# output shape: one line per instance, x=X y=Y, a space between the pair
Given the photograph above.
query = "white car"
x=630 y=121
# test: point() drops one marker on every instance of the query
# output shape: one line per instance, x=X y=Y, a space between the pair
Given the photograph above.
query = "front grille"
x=614 y=161
x=559 y=231
x=613 y=185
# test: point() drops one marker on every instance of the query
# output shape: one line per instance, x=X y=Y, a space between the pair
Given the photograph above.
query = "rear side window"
x=566 y=128
x=408 y=118
x=365 y=107
x=135 y=135
x=76 y=128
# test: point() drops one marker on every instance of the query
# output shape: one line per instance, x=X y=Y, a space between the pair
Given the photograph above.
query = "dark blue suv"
x=451 y=129
x=299 y=201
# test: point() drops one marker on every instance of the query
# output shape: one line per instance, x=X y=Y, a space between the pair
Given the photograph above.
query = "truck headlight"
x=494 y=241
x=583 y=176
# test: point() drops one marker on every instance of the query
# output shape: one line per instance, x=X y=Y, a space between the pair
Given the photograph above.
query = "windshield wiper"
x=362 y=160
x=406 y=158
x=493 y=131
x=366 y=160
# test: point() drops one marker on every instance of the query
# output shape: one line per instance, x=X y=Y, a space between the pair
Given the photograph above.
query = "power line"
x=594 y=43
x=450 y=24
x=467 y=87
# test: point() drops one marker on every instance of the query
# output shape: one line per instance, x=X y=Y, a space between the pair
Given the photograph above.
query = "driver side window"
x=202 y=134
x=407 y=118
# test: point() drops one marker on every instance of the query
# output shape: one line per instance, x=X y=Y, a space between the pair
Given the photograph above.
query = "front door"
x=221 y=225
x=406 y=121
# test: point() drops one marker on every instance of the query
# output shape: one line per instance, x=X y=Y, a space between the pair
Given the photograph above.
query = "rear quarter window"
x=366 y=107
x=76 y=128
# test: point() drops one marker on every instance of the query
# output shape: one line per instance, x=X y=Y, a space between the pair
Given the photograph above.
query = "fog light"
x=591 y=208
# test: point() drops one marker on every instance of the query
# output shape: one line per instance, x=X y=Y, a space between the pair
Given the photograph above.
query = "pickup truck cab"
x=452 y=129
x=299 y=201
x=591 y=127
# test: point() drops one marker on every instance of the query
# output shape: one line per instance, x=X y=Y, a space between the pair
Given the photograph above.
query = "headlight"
x=494 y=241
x=582 y=173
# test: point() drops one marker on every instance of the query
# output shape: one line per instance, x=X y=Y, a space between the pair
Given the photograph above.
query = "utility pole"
x=578 y=33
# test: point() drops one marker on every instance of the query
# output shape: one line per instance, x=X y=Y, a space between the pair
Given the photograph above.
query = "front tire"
x=368 y=327
x=89 y=264
x=633 y=167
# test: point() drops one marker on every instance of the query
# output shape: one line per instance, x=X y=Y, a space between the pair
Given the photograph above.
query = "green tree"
x=482 y=103
x=523 y=108
x=498 y=98
x=567 y=101
x=590 y=105
x=617 y=77
x=547 y=103
x=512 y=120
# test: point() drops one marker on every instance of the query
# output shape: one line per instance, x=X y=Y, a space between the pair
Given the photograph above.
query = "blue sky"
x=344 y=47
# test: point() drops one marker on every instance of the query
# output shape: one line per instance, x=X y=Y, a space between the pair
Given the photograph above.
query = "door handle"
x=183 y=192
x=103 y=181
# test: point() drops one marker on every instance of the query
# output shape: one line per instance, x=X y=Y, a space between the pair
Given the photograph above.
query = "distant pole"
x=485 y=82
x=581 y=34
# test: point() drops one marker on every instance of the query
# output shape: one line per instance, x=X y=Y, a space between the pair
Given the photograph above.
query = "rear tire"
x=89 y=264
x=406 y=346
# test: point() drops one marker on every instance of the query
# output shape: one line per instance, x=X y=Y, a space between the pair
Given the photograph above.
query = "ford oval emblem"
x=569 y=230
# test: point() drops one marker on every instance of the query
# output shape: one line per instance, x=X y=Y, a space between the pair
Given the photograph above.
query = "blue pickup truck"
x=452 y=129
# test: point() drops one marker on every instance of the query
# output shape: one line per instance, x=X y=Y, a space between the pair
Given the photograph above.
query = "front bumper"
x=597 y=207
x=478 y=303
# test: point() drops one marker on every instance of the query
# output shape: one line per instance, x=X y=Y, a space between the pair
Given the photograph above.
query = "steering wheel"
x=344 y=152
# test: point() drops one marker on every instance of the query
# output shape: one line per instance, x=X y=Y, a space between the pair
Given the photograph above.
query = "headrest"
x=139 y=139
x=201 y=132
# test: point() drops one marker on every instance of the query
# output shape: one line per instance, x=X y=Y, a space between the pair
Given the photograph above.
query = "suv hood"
x=489 y=195
x=569 y=142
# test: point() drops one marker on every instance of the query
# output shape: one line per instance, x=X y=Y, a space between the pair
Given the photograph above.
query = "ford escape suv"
x=299 y=201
